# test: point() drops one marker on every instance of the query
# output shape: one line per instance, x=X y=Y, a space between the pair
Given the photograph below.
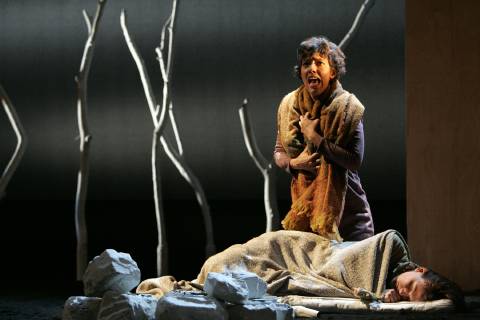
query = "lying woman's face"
x=411 y=286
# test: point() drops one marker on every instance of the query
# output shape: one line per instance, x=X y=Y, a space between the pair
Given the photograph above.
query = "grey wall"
x=224 y=51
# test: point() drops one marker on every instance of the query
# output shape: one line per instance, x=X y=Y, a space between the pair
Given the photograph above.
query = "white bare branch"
x=366 y=6
x=176 y=134
x=162 y=63
x=249 y=138
x=164 y=29
x=158 y=114
x=265 y=167
x=166 y=97
x=165 y=70
x=159 y=121
x=85 y=138
x=88 y=21
x=21 y=142
x=142 y=70
x=190 y=177
x=171 y=26
x=176 y=156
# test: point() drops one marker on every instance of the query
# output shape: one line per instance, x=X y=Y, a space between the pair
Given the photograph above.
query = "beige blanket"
x=302 y=263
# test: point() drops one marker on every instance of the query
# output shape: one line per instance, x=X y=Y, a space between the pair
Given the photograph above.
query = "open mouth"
x=313 y=81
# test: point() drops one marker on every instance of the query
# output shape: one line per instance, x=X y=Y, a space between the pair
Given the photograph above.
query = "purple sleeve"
x=349 y=157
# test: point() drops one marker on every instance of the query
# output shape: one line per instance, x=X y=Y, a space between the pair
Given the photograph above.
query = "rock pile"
x=107 y=283
x=111 y=276
x=110 y=271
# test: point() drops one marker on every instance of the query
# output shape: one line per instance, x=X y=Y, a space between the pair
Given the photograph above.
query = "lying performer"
x=303 y=263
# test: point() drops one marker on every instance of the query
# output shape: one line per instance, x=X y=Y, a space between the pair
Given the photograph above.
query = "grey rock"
x=111 y=271
x=81 y=308
x=256 y=286
x=261 y=310
x=224 y=287
x=184 y=305
x=127 y=306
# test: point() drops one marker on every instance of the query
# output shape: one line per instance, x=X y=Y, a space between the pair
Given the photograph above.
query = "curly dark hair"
x=325 y=47
x=439 y=287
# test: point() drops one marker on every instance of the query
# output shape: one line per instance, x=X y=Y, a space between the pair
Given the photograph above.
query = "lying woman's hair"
x=439 y=287
x=320 y=44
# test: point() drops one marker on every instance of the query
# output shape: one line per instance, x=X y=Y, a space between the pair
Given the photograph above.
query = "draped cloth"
x=317 y=201
x=302 y=263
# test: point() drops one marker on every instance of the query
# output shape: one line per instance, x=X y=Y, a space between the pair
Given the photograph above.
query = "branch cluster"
x=158 y=112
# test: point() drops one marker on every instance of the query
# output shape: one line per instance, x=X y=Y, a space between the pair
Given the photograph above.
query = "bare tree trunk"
x=176 y=156
x=265 y=167
x=158 y=118
x=21 y=142
x=188 y=175
x=162 y=246
x=85 y=138
x=366 y=6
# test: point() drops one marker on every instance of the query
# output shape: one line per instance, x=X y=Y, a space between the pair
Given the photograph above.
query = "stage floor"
x=50 y=308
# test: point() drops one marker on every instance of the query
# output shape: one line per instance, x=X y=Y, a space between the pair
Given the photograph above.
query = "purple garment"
x=356 y=222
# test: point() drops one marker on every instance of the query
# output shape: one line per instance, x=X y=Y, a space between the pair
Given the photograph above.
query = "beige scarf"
x=317 y=202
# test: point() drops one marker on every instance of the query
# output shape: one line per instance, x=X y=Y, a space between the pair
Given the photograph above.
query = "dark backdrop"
x=224 y=51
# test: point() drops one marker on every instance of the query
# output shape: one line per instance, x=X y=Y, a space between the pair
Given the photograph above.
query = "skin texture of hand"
x=308 y=127
x=391 y=295
x=306 y=162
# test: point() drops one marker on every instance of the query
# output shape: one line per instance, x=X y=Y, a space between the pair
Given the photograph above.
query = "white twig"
x=166 y=96
x=21 y=142
x=176 y=156
x=171 y=26
x=85 y=138
x=175 y=129
x=249 y=138
x=158 y=114
x=366 y=6
x=189 y=176
x=142 y=70
x=166 y=71
x=159 y=120
x=265 y=167
x=88 y=21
